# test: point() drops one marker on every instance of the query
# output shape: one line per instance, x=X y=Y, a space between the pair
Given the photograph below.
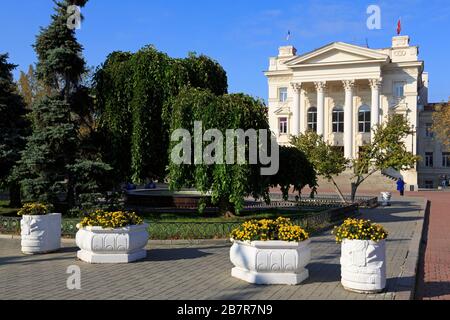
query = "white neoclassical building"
x=342 y=91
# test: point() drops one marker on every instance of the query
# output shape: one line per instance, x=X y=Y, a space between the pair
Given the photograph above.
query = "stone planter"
x=271 y=262
x=41 y=234
x=363 y=266
x=386 y=199
x=103 y=246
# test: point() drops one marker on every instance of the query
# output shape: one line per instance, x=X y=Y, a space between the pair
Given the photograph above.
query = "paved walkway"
x=203 y=272
x=434 y=271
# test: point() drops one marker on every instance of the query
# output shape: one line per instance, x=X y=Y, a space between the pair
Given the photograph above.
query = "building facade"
x=342 y=91
x=435 y=165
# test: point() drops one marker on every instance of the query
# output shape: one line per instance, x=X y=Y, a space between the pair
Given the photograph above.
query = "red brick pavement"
x=434 y=271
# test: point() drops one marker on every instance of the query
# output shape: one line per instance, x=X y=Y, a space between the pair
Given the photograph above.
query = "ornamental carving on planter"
x=112 y=237
x=363 y=256
x=40 y=231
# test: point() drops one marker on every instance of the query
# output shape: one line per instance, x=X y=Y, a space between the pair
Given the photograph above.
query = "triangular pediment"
x=283 y=111
x=337 y=53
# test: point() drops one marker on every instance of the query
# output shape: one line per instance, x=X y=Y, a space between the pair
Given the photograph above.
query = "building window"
x=312 y=119
x=429 y=184
x=446 y=159
x=283 y=125
x=283 y=94
x=399 y=89
x=429 y=159
x=338 y=120
x=429 y=130
x=364 y=121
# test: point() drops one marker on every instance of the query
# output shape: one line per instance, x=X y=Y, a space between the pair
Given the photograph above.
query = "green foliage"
x=114 y=91
x=388 y=149
x=295 y=171
x=327 y=161
x=227 y=184
x=133 y=93
x=60 y=61
x=49 y=150
x=90 y=180
x=205 y=73
x=13 y=127
x=61 y=162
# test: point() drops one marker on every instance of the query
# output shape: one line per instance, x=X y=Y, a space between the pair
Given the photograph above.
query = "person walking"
x=401 y=186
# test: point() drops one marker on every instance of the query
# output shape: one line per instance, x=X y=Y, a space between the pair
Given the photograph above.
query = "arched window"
x=364 y=121
x=338 y=119
x=312 y=119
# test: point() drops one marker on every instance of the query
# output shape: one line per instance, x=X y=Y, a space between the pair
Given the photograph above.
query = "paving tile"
x=191 y=271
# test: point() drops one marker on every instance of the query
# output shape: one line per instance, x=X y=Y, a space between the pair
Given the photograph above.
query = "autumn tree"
x=31 y=88
x=441 y=123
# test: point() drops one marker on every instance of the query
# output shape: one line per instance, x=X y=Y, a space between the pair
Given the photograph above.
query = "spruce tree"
x=59 y=148
x=13 y=128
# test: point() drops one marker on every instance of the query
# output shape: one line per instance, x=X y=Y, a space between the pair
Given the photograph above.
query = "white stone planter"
x=271 y=262
x=386 y=198
x=363 y=266
x=41 y=234
x=103 y=246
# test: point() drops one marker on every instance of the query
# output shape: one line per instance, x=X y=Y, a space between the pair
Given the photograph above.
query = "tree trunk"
x=338 y=190
x=354 y=190
x=226 y=209
x=15 y=200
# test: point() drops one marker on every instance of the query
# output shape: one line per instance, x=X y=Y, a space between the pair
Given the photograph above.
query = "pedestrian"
x=401 y=186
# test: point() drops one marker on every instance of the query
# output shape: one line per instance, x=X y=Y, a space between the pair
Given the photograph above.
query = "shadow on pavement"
x=175 y=254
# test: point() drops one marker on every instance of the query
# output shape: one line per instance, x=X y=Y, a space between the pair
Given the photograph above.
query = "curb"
x=407 y=279
x=211 y=242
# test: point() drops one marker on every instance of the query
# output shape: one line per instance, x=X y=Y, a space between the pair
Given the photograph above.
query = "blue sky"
x=241 y=35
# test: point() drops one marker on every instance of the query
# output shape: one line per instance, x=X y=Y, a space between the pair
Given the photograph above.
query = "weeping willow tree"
x=132 y=94
x=227 y=182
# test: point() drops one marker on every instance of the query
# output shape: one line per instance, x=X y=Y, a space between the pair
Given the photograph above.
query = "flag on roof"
x=399 y=26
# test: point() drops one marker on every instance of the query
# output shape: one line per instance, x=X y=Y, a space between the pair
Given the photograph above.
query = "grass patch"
x=195 y=217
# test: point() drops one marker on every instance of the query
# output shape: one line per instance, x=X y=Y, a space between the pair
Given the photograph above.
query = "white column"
x=375 y=84
x=320 y=87
x=302 y=110
x=296 y=88
x=348 y=118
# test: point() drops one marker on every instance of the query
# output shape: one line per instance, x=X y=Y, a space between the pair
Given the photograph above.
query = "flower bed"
x=112 y=237
x=270 y=252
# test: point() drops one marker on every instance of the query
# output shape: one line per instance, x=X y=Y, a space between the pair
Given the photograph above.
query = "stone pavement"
x=199 y=272
x=434 y=271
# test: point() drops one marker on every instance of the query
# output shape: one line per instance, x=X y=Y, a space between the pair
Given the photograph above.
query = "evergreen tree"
x=59 y=149
x=60 y=61
x=13 y=128
x=49 y=149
